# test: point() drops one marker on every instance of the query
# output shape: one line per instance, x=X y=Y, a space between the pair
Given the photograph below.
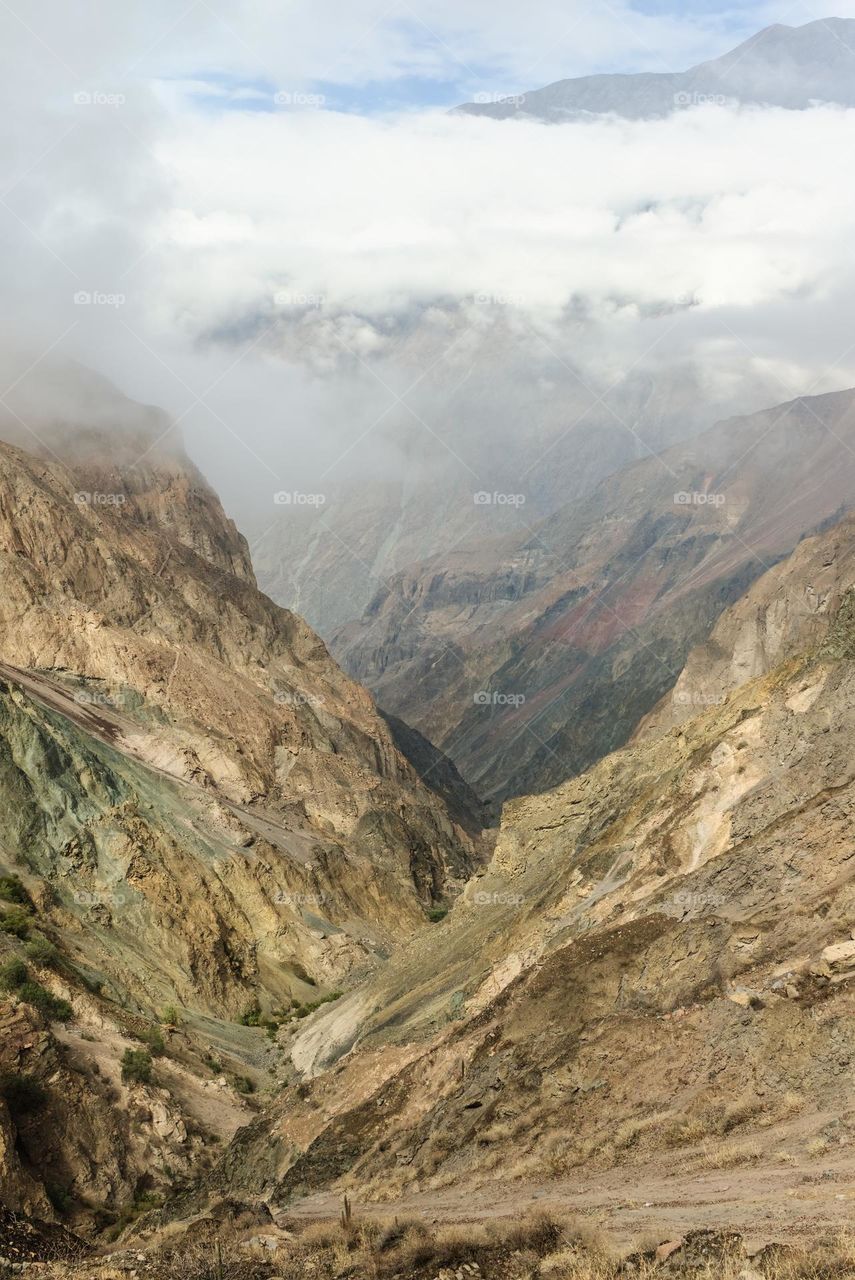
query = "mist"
x=323 y=300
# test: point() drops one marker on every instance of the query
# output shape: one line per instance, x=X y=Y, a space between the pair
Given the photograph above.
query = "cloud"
x=277 y=278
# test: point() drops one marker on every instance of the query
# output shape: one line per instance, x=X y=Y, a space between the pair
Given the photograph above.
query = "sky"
x=261 y=216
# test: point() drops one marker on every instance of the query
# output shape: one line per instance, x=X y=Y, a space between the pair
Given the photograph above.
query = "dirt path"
x=765 y=1202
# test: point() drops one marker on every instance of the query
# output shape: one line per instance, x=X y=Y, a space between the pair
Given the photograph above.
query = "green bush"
x=171 y=1017
x=136 y=1066
x=153 y=1037
x=11 y=890
x=59 y=1196
x=13 y=974
x=242 y=1084
x=51 y=1006
x=22 y=1094
x=16 y=920
x=303 y=1010
x=251 y=1016
x=436 y=914
x=41 y=950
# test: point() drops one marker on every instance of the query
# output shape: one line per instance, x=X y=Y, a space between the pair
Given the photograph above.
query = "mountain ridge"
x=778 y=66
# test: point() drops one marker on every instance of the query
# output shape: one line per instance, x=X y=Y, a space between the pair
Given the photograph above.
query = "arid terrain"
x=258 y=974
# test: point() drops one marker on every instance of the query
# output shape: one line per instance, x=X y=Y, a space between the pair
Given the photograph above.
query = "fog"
x=324 y=297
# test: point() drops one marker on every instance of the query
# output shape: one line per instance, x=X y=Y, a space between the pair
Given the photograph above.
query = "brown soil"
x=767 y=1202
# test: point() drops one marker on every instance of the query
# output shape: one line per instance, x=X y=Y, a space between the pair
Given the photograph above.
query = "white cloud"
x=715 y=236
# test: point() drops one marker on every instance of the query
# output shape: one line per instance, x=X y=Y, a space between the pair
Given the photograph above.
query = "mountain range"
x=780 y=66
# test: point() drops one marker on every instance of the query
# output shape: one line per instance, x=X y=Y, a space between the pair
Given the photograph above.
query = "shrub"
x=50 y=1005
x=171 y=1016
x=41 y=950
x=22 y=1094
x=136 y=1066
x=251 y=1016
x=436 y=914
x=153 y=1037
x=13 y=974
x=303 y=1010
x=16 y=920
x=11 y=890
x=242 y=1084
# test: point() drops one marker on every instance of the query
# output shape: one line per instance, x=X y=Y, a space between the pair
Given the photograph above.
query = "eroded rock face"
x=657 y=957
x=203 y=812
x=123 y=628
x=789 y=610
x=529 y=659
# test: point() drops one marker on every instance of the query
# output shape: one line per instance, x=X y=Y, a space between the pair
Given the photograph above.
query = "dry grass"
x=544 y=1246
x=726 y=1155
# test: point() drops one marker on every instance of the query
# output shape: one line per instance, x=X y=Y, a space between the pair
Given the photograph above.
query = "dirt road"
x=783 y=1202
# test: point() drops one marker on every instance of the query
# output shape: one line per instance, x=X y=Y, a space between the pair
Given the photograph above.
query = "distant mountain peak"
x=782 y=66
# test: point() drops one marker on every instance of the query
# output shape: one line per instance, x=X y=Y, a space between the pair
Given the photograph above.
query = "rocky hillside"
x=529 y=660
x=657 y=964
x=201 y=814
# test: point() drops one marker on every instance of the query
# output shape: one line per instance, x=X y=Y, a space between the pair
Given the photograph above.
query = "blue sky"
x=380 y=58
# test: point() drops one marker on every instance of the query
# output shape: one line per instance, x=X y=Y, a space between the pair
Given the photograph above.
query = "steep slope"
x=657 y=964
x=201 y=814
x=780 y=66
x=217 y=685
x=530 y=660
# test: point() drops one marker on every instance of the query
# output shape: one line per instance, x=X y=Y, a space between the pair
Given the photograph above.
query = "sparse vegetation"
x=16 y=920
x=171 y=1016
x=11 y=890
x=251 y=1016
x=303 y=1010
x=52 y=1007
x=41 y=950
x=241 y=1084
x=21 y=1093
x=136 y=1066
x=13 y=974
x=153 y=1038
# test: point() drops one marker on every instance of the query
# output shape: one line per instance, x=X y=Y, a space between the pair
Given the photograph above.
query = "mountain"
x=528 y=661
x=201 y=812
x=781 y=66
x=499 y=411
x=652 y=979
